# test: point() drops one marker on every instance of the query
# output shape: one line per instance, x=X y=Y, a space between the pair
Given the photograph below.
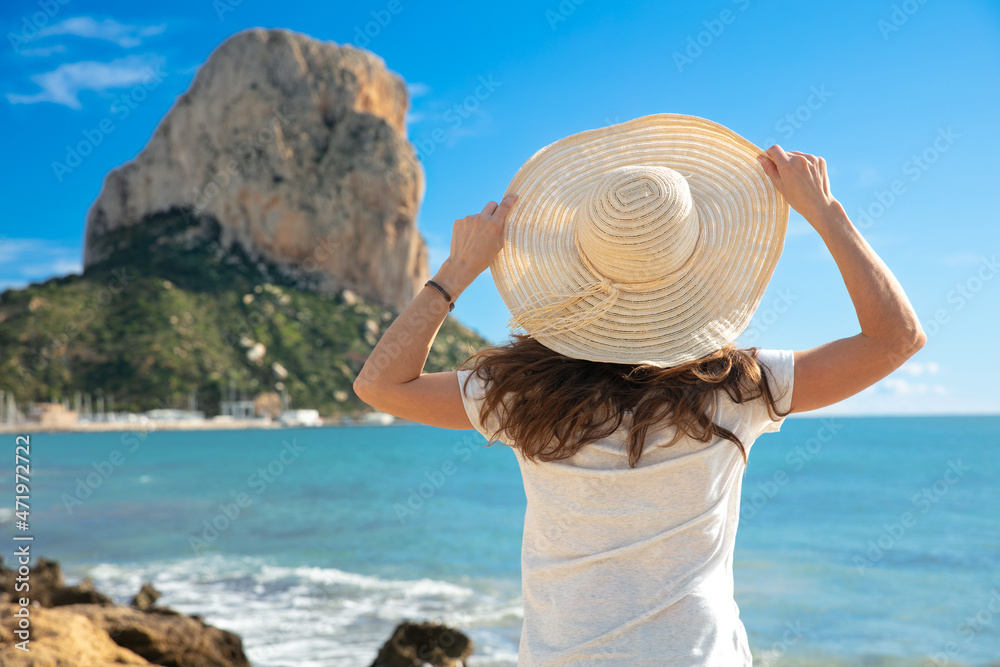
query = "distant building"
x=55 y=415
x=380 y=418
x=164 y=414
x=236 y=403
x=238 y=409
x=301 y=418
x=267 y=404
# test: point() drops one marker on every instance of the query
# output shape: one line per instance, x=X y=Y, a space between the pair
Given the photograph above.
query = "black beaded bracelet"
x=444 y=293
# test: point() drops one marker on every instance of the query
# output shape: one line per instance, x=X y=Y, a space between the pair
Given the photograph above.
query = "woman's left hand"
x=475 y=241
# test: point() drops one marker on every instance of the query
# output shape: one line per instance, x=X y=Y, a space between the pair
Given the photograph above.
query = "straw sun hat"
x=649 y=241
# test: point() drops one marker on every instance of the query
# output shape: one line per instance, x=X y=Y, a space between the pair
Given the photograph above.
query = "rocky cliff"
x=297 y=149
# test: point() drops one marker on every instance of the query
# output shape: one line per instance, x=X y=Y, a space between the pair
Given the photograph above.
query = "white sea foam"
x=307 y=616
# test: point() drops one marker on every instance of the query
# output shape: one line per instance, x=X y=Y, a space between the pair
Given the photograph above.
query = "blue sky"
x=901 y=98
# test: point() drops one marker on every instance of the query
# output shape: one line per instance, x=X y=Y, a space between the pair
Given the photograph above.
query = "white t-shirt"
x=634 y=566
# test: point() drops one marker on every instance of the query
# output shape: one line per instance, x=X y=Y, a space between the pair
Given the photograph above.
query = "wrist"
x=453 y=277
x=830 y=217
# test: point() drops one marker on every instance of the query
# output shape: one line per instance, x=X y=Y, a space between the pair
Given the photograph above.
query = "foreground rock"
x=48 y=586
x=61 y=638
x=422 y=644
x=166 y=637
x=146 y=598
x=297 y=149
x=99 y=633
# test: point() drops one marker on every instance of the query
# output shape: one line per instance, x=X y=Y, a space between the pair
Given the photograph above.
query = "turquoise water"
x=861 y=541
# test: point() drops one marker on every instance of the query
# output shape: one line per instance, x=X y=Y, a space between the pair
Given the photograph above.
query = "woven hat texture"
x=646 y=242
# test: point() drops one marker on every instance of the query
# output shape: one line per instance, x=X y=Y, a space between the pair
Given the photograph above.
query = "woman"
x=632 y=257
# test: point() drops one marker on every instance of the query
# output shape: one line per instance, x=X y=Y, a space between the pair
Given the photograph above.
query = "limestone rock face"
x=298 y=149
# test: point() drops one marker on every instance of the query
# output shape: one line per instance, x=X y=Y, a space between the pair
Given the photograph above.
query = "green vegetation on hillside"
x=169 y=312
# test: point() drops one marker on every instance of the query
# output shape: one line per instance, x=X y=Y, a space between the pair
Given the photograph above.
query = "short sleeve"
x=779 y=365
x=473 y=398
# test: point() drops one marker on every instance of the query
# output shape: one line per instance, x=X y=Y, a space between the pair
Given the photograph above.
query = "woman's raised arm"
x=890 y=331
x=392 y=379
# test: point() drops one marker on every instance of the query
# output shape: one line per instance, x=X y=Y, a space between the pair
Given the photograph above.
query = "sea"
x=862 y=541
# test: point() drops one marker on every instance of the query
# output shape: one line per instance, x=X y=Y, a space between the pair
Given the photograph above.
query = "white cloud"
x=417 y=89
x=898 y=387
x=963 y=259
x=915 y=388
x=33 y=260
x=916 y=368
x=868 y=176
x=906 y=398
x=43 y=52
x=126 y=36
x=63 y=84
x=481 y=123
x=798 y=227
x=56 y=266
x=895 y=386
x=12 y=249
x=12 y=284
x=436 y=255
x=898 y=396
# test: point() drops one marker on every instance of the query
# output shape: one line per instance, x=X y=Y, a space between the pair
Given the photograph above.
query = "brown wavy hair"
x=551 y=405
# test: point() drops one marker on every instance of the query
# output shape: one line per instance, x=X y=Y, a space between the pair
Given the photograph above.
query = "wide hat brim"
x=743 y=220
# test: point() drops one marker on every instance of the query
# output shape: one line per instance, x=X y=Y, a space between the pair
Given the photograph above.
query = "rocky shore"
x=78 y=626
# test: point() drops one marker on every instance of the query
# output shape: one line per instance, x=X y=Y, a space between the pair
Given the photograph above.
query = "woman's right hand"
x=801 y=179
x=890 y=329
